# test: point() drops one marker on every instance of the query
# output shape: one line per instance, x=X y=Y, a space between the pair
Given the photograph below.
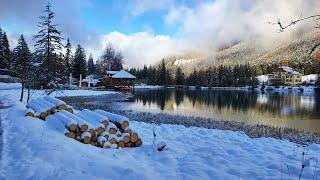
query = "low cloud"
x=143 y=47
x=200 y=26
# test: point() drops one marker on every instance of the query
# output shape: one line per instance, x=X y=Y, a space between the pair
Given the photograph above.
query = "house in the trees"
x=284 y=76
x=118 y=79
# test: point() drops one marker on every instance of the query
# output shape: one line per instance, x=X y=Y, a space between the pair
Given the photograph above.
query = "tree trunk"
x=28 y=95
x=22 y=89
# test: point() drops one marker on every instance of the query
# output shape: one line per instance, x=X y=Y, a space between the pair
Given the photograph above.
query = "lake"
x=294 y=110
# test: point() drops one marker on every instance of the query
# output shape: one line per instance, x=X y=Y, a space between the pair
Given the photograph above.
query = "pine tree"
x=79 y=63
x=22 y=63
x=48 y=45
x=91 y=69
x=6 y=53
x=179 y=76
x=2 y=61
x=68 y=58
x=162 y=72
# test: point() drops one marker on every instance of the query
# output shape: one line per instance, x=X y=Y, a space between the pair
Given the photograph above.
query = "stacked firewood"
x=98 y=127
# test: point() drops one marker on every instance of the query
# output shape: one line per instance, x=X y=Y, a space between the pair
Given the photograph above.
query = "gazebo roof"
x=123 y=75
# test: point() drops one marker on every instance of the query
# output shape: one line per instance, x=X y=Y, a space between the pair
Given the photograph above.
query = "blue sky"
x=147 y=30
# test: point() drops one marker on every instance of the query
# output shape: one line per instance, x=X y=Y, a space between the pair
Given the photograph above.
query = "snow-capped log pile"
x=43 y=106
x=99 y=128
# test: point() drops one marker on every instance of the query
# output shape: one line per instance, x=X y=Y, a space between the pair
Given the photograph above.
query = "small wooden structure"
x=121 y=80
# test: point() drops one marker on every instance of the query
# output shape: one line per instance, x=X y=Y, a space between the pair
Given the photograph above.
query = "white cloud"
x=225 y=21
x=210 y=25
x=143 y=47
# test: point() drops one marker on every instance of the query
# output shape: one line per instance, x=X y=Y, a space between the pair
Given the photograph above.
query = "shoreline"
x=105 y=102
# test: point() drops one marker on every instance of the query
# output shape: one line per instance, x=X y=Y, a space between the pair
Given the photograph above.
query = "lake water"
x=294 y=110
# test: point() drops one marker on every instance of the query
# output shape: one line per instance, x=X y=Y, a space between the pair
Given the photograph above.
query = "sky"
x=145 y=31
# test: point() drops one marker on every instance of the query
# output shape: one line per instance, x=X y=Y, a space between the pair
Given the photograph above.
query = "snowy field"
x=13 y=90
x=31 y=150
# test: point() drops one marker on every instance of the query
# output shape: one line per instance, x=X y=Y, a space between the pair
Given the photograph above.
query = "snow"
x=86 y=134
x=111 y=116
x=6 y=90
x=145 y=86
x=31 y=149
x=54 y=101
x=79 y=120
x=123 y=75
x=289 y=70
x=93 y=121
x=6 y=86
x=311 y=78
x=262 y=79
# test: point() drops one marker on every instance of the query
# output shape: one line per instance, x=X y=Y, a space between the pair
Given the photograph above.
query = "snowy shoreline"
x=106 y=102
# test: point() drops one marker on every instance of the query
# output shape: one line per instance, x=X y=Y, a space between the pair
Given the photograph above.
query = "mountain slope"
x=295 y=50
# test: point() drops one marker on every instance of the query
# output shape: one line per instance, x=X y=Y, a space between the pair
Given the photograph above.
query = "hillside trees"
x=221 y=76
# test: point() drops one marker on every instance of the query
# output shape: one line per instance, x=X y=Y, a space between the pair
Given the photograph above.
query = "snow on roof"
x=123 y=75
x=289 y=70
x=112 y=72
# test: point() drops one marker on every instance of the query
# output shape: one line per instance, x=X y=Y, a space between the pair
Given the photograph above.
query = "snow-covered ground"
x=311 y=78
x=31 y=150
x=4 y=86
x=13 y=90
x=262 y=79
x=145 y=86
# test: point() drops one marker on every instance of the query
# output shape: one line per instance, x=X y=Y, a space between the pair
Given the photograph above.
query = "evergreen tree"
x=91 y=69
x=48 y=45
x=2 y=60
x=162 y=71
x=6 y=53
x=79 y=63
x=179 y=77
x=68 y=58
x=22 y=64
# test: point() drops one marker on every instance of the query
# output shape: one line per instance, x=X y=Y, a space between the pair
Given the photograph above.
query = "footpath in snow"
x=31 y=150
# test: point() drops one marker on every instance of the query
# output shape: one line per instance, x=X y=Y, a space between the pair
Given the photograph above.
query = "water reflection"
x=273 y=108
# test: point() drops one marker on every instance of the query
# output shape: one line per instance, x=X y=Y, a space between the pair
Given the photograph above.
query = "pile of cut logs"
x=98 y=127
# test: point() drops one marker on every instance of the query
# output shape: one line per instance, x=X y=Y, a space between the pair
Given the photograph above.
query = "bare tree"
x=315 y=18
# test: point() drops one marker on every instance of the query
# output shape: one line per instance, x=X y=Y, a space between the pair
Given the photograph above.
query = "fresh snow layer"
x=262 y=79
x=32 y=150
x=309 y=78
x=15 y=93
x=4 y=86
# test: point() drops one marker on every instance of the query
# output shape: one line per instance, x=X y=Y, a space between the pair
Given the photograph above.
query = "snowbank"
x=262 y=79
x=35 y=151
x=144 y=86
x=311 y=78
x=5 y=86
x=15 y=93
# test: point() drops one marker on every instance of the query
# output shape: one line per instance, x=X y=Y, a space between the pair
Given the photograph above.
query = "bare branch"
x=283 y=27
